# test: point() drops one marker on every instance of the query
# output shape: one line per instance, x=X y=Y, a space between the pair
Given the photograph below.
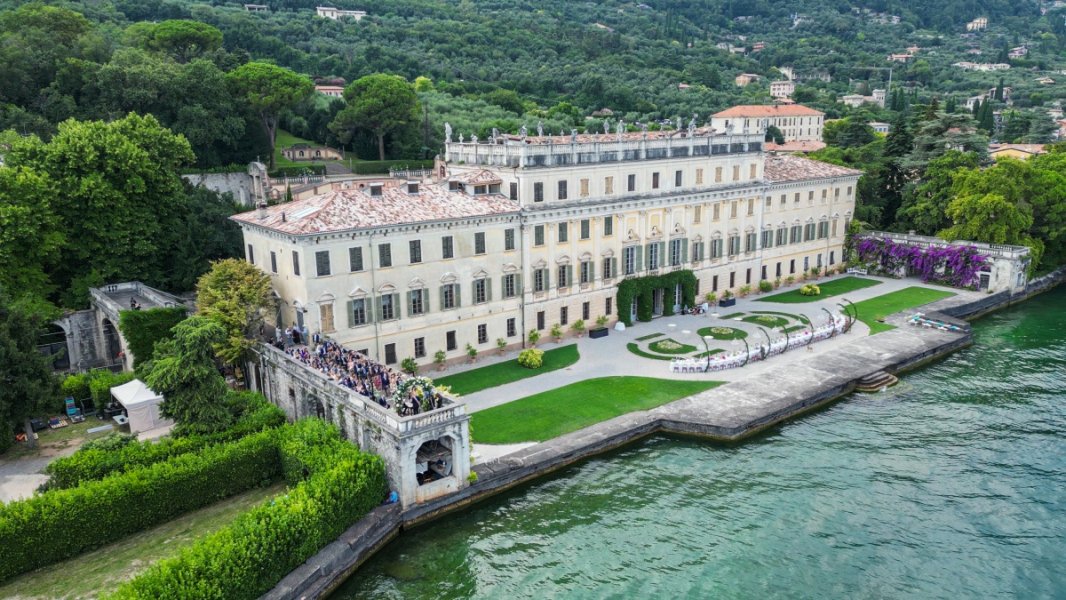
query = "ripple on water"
x=950 y=485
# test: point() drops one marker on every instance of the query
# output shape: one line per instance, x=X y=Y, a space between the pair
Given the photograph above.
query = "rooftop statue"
x=524 y=131
x=447 y=131
x=540 y=128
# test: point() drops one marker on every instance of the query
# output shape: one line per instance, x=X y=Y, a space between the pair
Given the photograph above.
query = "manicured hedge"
x=94 y=384
x=60 y=524
x=143 y=328
x=333 y=486
x=90 y=464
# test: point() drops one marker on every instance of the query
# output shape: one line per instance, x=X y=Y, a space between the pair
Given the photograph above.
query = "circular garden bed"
x=723 y=333
x=771 y=321
x=669 y=346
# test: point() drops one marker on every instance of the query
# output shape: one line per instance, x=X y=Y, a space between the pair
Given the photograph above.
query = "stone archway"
x=52 y=342
x=112 y=344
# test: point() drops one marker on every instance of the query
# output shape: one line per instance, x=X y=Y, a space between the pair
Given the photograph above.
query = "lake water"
x=950 y=485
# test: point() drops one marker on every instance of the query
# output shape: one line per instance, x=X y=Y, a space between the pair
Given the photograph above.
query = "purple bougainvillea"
x=957 y=266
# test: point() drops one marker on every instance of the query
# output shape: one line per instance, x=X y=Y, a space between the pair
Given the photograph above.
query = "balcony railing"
x=924 y=241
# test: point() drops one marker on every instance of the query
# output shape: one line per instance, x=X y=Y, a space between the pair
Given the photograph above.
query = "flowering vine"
x=957 y=266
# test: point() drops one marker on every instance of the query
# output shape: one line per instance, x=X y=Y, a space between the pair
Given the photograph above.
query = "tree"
x=26 y=380
x=379 y=104
x=268 y=90
x=925 y=206
x=851 y=132
x=185 y=40
x=30 y=237
x=183 y=370
x=773 y=134
x=237 y=296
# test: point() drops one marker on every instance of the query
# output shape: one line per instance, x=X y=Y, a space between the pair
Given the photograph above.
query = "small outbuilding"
x=141 y=405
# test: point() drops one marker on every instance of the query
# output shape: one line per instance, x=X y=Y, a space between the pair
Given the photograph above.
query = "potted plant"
x=472 y=353
x=600 y=330
x=744 y=290
x=533 y=337
x=710 y=297
x=501 y=344
x=816 y=272
x=578 y=327
x=409 y=366
x=438 y=358
x=790 y=280
x=557 y=332
x=727 y=299
x=765 y=286
x=777 y=283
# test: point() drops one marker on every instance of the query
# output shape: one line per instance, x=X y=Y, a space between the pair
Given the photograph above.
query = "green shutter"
x=614 y=267
x=517 y=285
x=638 y=260
x=684 y=251
x=458 y=299
x=488 y=289
x=569 y=275
x=662 y=254
x=396 y=305
x=369 y=304
x=442 y=305
x=351 y=314
x=425 y=301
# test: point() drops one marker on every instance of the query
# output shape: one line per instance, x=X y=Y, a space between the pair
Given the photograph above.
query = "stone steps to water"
x=876 y=382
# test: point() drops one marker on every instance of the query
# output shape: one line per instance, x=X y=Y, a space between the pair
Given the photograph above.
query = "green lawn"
x=509 y=371
x=550 y=414
x=285 y=139
x=721 y=334
x=880 y=307
x=800 y=318
x=635 y=349
x=772 y=321
x=100 y=571
x=667 y=347
x=829 y=289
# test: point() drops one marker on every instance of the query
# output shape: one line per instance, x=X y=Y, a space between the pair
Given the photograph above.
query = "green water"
x=951 y=485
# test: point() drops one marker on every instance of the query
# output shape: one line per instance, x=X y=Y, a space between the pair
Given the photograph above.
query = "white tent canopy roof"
x=134 y=393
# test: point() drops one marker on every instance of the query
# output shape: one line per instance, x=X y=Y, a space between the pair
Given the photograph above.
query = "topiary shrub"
x=531 y=358
x=765 y=286
x=810 y=289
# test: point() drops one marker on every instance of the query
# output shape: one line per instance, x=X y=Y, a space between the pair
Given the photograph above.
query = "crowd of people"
x=358 y=373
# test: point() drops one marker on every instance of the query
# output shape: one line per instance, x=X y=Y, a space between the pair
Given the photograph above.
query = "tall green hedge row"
x=143 y=328
x=256 y=414
x=61 y=524
x=333 y=485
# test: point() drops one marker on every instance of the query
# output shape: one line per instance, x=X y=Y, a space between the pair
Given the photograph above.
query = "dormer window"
x=412 y=188
x=479 y=189
x=494 y=188
x=375 y=189
x=455 y=186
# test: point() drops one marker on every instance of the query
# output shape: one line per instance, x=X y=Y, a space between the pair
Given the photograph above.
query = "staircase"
x=875 y=382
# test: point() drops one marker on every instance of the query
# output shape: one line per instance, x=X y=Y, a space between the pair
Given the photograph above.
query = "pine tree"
x=26 y=381
x=951 y=105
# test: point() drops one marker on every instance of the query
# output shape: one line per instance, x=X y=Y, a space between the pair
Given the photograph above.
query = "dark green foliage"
x=26 y=381
x=643 y=289
x=333 y=485
x=59 y=524
x=121 y=454
x=143 y=328
x=93 y=386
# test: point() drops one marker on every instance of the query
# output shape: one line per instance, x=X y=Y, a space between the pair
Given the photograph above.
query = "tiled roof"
x=356 y=209
x=795 y=146
x=788 y=167
x=471 y=177
x=1027 y=148
x=776 y=110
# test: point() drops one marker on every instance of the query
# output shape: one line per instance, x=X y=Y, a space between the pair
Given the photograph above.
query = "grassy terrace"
x=880 y=307
x=829 y=289
x=100 y=571
x=508 y=371
x=286 y=139
x=550 y=414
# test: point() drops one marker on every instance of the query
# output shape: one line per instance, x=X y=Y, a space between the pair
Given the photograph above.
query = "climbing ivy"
x=643 y=289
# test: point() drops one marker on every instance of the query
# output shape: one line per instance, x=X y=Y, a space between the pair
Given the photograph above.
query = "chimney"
x=283 y=219
x=261 y=210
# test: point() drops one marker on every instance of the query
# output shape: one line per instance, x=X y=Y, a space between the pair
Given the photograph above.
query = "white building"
x=797 y=123
x=856 y=100
x=328 y=12
x=521 y=233
x=880 y=127
x=782 y=89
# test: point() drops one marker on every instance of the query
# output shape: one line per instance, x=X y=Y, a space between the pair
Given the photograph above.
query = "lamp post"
x=832 y=322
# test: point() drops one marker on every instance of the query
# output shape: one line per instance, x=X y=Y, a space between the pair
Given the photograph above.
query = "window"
x=420 y=347
x=778 y=271
x=564 y=232
x=412 y=188
x=629 y=259
x=654 y=181
x=809 y=232
x=564 y=316
x=562 y=190
x=584 y=188
x=387 y=307
x=607 y=306
x=677 y=178
x=734 y=246
x=481 y=291
x=390 y=354
x=792 y=266
x=608 y=268
x=823 y=230
x=586 y=271
x=508 y=239
x=736 y=172
x=510 y=285
x=447 y=247
x=697 y=212
x=752 y=170
x=714 y=283
x=782 y=236
x=586 y=229
x=608 y=185
x=417 y=300
x=631 y=183
x=273 y=262
x=733 y=209
x=540 y=280
x=375 y=189
x=784 y=199
x=747 y=275
x=479 y=190
x=767 y=238
x=449 y=296
x=676 y=253
x=849 y=191
x=357 y=313
x=295 y=263
x=653 y=256
x=512 y=330
x=479 y=242
x=608 y=226
x=538 y=192
x=586 y=310
x=325 y=317
x=716 y=248
x=697 y=251
x=355 y=259
x=717 y=212
x=514 y=190
x=832 y=257
x=749 y=242
x=810 y=197
x=482 y=333
x=251 y=254
x=806 y=263
x=540 y=320
x=385 y=255
x=699 y=176
x=836 y=194
x=718 y=174
x=538 y=235
x=414 y=247
x=796 y=198
x=763 y=272
x=751 y=206
x=450 y=342
x=733 y=279
x=563 y=276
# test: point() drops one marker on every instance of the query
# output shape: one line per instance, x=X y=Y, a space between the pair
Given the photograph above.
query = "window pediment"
x=416 y=284
x=357 y=292
x=448 y=278
x=510 y=268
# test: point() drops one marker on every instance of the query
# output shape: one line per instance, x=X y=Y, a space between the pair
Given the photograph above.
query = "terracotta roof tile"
x=779 y=169
x=356 y=209
x=775 y=110
x=482 y=176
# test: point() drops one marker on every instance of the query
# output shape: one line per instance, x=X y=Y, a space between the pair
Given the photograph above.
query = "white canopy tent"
x=142 y=406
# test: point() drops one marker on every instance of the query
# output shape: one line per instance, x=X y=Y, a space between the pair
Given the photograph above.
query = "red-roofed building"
x=797 y=123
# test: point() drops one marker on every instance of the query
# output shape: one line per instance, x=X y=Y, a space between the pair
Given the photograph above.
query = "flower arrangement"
x=953 y=265
x=669 y=345
x=722 y=330
x=531 y=358
x=420 y=388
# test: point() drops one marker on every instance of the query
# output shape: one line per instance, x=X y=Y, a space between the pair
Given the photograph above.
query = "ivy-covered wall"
x=643 y=289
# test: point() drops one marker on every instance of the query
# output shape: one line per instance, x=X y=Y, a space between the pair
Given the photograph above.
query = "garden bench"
x=856 y=271
x=100 y=429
